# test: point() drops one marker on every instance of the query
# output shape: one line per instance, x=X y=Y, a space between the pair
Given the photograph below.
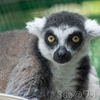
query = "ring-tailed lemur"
x=54 y=65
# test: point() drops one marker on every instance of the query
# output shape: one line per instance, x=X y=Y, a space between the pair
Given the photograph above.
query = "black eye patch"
x=50 y=33
x=75 y=44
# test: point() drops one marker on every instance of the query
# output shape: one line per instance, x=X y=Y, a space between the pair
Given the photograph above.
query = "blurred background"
x=15 y=13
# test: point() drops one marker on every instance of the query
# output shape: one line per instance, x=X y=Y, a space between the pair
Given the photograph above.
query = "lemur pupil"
x=75 y=38
x=51 y=38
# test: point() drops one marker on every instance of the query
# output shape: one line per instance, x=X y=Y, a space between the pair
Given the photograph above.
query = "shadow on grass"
x=17 y=20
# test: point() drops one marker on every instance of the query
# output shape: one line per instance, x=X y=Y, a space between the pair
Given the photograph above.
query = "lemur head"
x=64 y=36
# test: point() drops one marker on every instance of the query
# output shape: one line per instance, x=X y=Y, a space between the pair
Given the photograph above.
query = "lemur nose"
x=62 y=52
x=61 y=55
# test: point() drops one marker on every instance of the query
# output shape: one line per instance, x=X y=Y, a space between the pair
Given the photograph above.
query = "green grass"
x=17 y=19
x=95 y=54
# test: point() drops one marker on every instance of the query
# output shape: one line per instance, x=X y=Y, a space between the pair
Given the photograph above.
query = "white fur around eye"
x=92 y=28
x=35 y=27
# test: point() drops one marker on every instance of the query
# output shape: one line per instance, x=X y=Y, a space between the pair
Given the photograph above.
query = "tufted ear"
x=92 y=28
x=35 y=27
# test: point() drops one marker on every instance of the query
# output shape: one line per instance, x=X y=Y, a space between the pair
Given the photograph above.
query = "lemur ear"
x=92 y=28
x=35 y=27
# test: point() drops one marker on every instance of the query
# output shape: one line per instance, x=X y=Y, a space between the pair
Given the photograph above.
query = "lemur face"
x=63 y=42
x=64 y=37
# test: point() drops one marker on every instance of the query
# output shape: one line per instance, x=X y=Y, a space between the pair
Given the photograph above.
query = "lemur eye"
x=51 y=38
x=75 y=39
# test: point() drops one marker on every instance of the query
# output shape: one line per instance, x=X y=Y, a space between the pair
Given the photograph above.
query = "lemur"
x=49 y=60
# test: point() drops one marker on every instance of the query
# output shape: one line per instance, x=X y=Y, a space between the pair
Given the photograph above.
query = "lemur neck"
x=71 y=76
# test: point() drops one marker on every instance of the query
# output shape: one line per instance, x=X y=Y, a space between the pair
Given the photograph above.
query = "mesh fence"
x=15 y=13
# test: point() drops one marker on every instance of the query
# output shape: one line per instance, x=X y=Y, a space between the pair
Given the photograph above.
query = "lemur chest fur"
x=63 y=77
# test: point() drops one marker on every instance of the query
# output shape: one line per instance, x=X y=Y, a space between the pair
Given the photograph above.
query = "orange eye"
x=51 y=38
x=75 y=39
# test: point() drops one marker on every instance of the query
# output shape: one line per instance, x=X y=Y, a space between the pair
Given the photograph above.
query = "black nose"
x=61 y=55
x=61 y=52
